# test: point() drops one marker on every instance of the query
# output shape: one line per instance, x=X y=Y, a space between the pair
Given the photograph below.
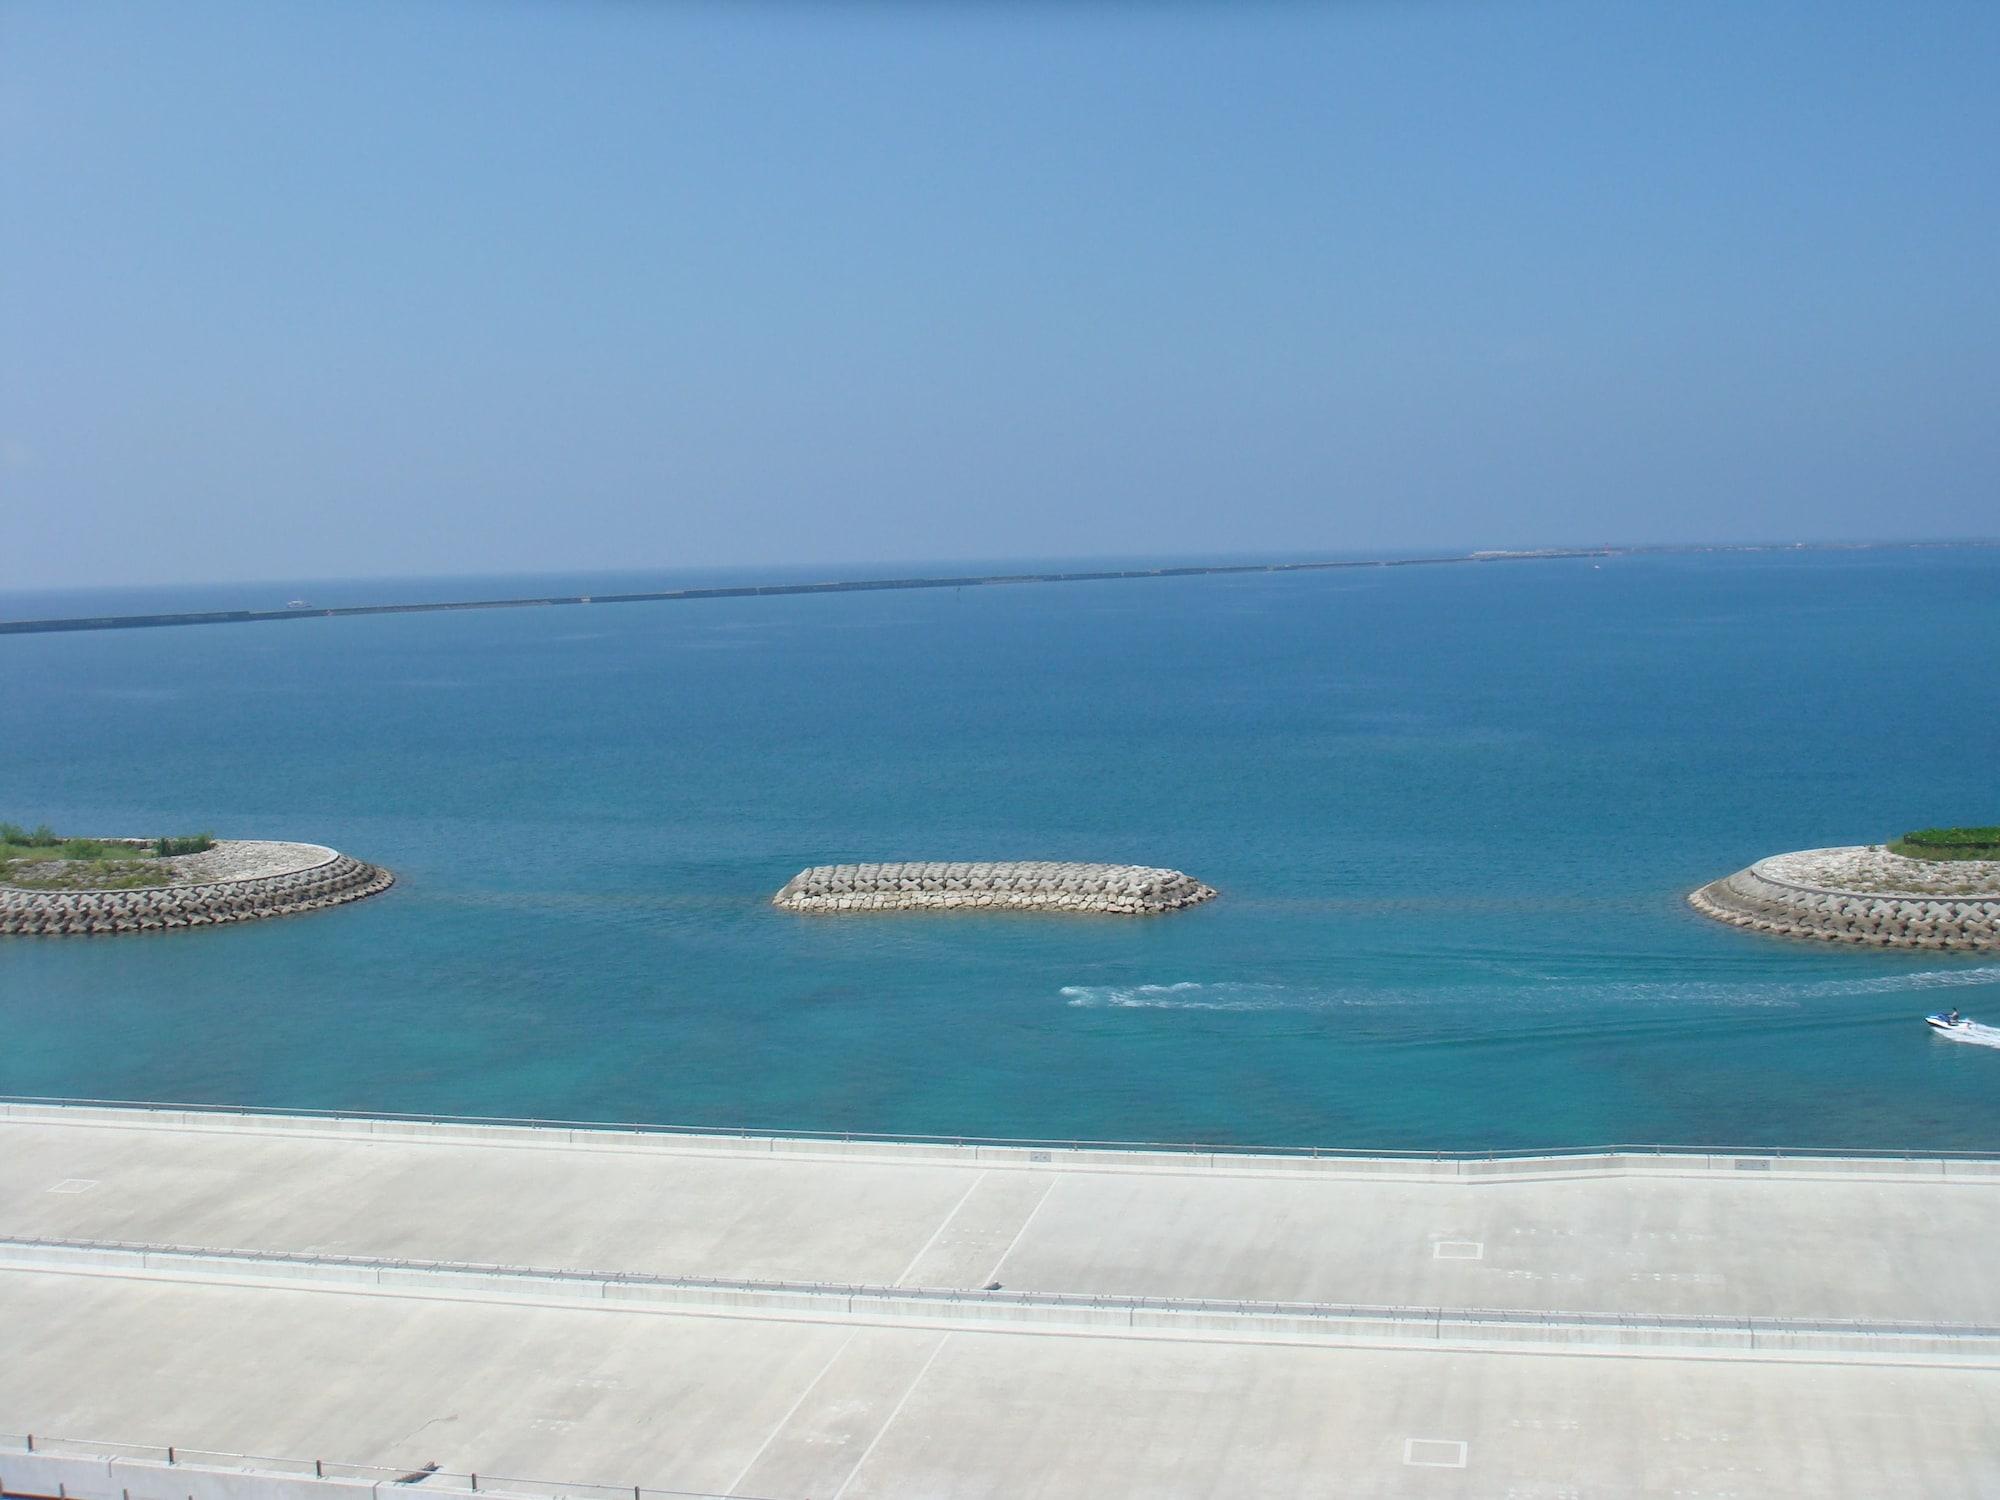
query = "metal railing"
x=96 y=1450
x=940 y=1301
x=1027 y=1143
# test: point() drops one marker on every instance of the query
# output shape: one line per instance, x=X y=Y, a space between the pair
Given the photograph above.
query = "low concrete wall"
x=122 y=1478
x=1226 y=1320
x=1124 y=890
x=66 y=1469
x=1055 y=1156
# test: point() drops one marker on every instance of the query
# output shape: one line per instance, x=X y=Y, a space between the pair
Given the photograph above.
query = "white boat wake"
x=1971 y=1032
x=1563 y=994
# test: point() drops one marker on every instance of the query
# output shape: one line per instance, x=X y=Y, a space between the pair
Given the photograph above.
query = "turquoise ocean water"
x=1452 y=811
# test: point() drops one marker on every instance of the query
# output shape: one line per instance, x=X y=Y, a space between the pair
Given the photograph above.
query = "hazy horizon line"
x=861 y=569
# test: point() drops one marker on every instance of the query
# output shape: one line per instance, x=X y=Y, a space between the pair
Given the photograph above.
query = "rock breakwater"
x=1125 y=890
x=236 y=881
x=1862 y=894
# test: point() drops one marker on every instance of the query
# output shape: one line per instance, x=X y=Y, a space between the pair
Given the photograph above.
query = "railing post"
x=31 y=1442
x=475 y=1481
x=319 y=1469
x=170 y=1453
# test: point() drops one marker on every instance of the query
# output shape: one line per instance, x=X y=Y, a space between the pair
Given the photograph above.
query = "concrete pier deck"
x=795 y=1318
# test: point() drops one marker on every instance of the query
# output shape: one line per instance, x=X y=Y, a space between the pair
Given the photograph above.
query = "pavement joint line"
x=943 y=1224
x=1438 y=1324
x=890 y=1420
x=994 y=1274
x=790 y=1412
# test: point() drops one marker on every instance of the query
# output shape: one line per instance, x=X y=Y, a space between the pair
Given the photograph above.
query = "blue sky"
x=359 y=288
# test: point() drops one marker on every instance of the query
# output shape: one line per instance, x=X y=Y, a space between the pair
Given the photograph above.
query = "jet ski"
x=1956 y=1028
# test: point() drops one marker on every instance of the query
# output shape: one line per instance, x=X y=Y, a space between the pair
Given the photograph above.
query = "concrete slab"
x=970 y=1246
x=801 y=1396
x=822 y=1412
x=832 y=1430
x=1704 y=1242
x=453 y=1200
x=1719 y=1244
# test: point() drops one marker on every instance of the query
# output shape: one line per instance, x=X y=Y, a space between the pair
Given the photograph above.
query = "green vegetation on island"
x=1949 y=843
x=39 y=859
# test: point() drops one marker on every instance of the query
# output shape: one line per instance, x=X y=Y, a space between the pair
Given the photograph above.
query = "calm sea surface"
x=1452 y=812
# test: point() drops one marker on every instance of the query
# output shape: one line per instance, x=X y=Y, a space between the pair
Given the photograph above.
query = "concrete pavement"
x=802 y=1400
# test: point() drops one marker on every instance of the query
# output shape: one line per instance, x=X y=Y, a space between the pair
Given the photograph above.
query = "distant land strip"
x=876 y=585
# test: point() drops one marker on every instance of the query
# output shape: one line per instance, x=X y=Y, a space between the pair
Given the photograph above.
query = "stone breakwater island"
x=1120 y=890
x=1863 y=894
x=237 y=880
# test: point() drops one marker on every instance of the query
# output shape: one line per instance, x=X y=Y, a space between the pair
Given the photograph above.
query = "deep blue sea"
x=1452 y=811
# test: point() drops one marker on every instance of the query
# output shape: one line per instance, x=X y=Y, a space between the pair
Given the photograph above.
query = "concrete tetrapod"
x=1034 y=885
x=236 y=881
x=1862 y=894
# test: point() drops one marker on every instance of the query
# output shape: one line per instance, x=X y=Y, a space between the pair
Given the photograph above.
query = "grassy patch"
x=39 y=859
x=83 y=874
x=1948 y=843
x=84 y=850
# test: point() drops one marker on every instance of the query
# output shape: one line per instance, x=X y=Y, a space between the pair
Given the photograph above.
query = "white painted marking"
x=1434 y=1453
x=790 y=1412
x=994 y=1274
x=890 y=1420
x=1458 y=1250
x=916 y=1259
x=74 y=1185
